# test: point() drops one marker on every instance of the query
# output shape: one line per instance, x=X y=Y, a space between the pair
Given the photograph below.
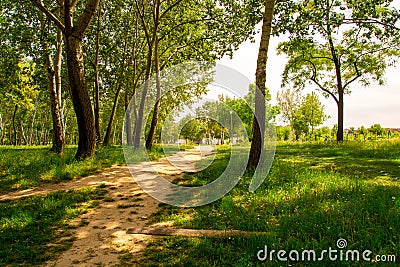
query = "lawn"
x=315 y=194
x=35 y=229
x=31 y=228
x=26 y=167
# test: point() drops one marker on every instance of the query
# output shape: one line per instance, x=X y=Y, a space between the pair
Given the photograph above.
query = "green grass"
x=315 y=194
x=34 y=230
x=31 y=228
x=26 y=167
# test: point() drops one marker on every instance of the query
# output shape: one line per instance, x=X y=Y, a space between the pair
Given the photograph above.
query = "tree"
x=312 y=110
x=376 y=130
x=53 y=66
x=193 y=129
x=299 y=123
x=215 y=28
x=257 y=143
x=310 y=113
x=363 y=131
x=283 y=132
x=288 y=100
x=333 y=44
x=74 y=32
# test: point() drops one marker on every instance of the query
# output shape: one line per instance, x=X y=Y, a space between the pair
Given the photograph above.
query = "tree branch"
x=141 y=15
x=314 y=79
x=86 y=17
x=50 y=15
x=359 y=74
x=369 y=20
x=169 y=8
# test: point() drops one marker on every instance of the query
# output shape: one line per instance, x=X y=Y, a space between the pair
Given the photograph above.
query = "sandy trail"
x=101 y=235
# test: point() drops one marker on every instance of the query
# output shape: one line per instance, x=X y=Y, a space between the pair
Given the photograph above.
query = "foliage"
x=288 y=100
x=333 y=44
x=283 y=133
x=193 y=128
x=115 y=47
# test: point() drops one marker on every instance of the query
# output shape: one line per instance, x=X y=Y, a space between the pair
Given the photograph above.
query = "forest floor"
x=101 y=236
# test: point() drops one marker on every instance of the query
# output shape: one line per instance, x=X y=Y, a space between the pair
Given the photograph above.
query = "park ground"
x=315 y=194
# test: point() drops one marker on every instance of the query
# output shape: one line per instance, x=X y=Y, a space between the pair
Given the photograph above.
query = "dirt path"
x=101 y=235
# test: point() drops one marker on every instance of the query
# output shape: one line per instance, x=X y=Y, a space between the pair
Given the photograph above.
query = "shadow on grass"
x=28 y=226
x=302 y=203
x=26 y=167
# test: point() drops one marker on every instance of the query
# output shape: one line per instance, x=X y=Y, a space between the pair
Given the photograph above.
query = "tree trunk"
x=339 y=84
x=96 y=81
x=128 y=121
x=153 y=126
x=54 y=87
x=23 y=135
x=74 y=35
x=13 y=123
x=257 y=143
x=107 y=136
x=140 y=113
x=150 y=42
x=80 y=98
x=30 y=139
x=339 y=135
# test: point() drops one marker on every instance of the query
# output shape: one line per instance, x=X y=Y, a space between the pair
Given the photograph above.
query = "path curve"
x=101 y=235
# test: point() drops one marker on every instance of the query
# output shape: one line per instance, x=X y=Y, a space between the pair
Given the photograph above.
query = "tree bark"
x=154 y=120
x=128 y=121
x=30 y=139
x=107 y=136
x=80 y=98
x=54 y=87
x=76 y=73
x=23 y=135
x=339 y=135
x=339 y=84
x=13 y=123
x=96 y=81
x=257 y=143
x=74 y=35
x=150 y=43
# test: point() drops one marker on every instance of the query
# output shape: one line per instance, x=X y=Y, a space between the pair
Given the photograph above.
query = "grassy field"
x=26 y=167
x=314 y=195
x=31 y=227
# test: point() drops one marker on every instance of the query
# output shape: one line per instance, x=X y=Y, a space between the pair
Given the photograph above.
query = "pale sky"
x=364 y=106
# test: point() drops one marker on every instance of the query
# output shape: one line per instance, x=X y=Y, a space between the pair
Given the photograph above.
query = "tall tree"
x=74 y=32
x=53 y=66
x=333 y=44
x=150 y=34
x=44 y=47
x=257 y=143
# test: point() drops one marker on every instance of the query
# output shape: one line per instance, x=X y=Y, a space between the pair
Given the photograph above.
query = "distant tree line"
x=374 y=132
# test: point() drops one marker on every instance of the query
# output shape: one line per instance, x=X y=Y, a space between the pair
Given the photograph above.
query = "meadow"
x=35 y=229
x=315 y=194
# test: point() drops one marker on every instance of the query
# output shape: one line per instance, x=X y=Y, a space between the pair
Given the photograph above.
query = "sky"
x=364 y=106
